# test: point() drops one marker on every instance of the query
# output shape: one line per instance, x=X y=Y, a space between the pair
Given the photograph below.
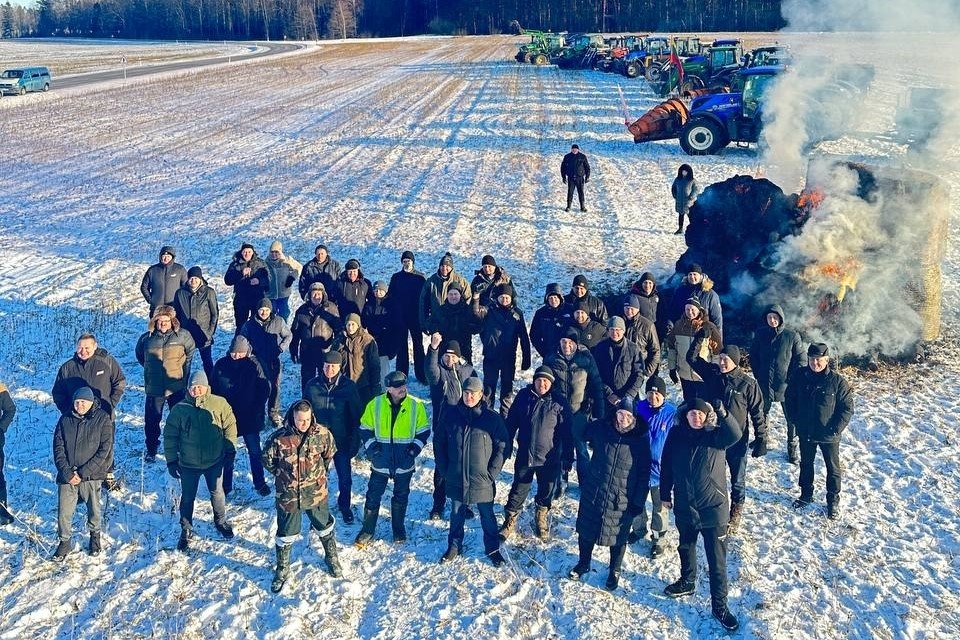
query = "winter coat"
x=591 y=332
x=326 y=274
x=693 y=470
x=244 y=385
x=361 y=363
x=455 y=322
x=336 y=405
x=394 y=436
x=684 y=191
x=268 y=339
x=575 y=166
x=774 y=354
x=243 y=290
x=405 y=289
x=643 y=333
x=160 y=283
x=434 y=294
x=284 y=273
x=679 y=341
x=702 y=293
x=314 y=330
x=659 y=421
x=7 y=411
x=595 y=306
x=382 y=319
x=621 y=370
x=83 y=445
x=476 y=444
x=101 y=372
x=819 y=404
x=165 y=358
x=299 y=462
x=198 y=312
x=501 y=330
x=542 y=427
x=577 y=381
x=740 y=393
x=616 y=485
x=649 y=304
x=483 y=286
x=446 y=383
x=199 y=432
x=352 y=297
x=549 y=323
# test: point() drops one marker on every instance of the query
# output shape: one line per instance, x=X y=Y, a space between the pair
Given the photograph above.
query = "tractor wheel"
x=702 y=137
x=633 y=69
x=652 y=73
x=526 y=57
x=540 y=59
x=691 y=83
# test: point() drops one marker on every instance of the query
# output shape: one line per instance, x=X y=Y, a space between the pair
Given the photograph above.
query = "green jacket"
x=199 y=431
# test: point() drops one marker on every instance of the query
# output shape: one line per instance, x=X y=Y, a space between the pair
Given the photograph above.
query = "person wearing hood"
x=489 y=276
x=550 y=321
x=198 y=312
x=614 y=490
x=298 y=455
x=201 y=433
x=82 y=454
x=679 y=340
x=684 y=191
x=361 y=358
x=405 y=288
x=321 y=268
x=643 y=333
x=162 y=280
x=446 y=374
x=742 y=398
x=698 y=286
x=247 y=273
x=476 y=442
x=382 y=319
x=269 y=337
x=502 y=330
x=434 y=291
x=589 y=330
x=239 y=379
x=693 y=484
x=648 y=299
x=7 y=411
x=353 y=290
x=336 y=405
x=284 y=272
x=580 y=293
x=164 y=352
x=775 y=353
x=315 y=329
x=455 y=320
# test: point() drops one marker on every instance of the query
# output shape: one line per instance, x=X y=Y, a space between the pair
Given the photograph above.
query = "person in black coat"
x=455 y=320
x=315 y=330
x=336 y=404
x=741 y=396
x=541 y=424
x=405 y=287
x=550 y=321
x=487 y=278
x=269 y=337
x=382 y=319
x=83 y=454
x=575 y=171
x=446 y=374
x=693 y=484
x=198 y=311
x=247 y=273
x=619 y=364
x=239 y=379
x=590 y=331
x=162 y=279
x=580 y=292
x=820 y=403
x=615 y=489
x=648 y=298
x=642 y=332
x=477 y=443
x=353 y=291
x=321 y=268
x=698 y=286
x=502 y=329
x=91 y=366
x=7 y=411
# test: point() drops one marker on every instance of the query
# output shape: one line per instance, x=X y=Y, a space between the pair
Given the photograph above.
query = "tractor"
x=582 y=51
x=713 y=68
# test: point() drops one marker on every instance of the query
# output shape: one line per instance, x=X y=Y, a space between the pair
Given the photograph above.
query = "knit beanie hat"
x=194 y=272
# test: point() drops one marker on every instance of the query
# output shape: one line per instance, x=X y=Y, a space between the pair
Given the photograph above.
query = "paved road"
x=255 y=51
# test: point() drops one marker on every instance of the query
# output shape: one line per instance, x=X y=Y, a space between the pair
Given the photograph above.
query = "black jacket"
x=382 y=319
x=595 y=306
x=83 y=444
x=336 y=405
x=577 y=381
x=244 y=385
x=455 y=322
x=483 y=287
x=542 y=426
x=198 y=312
x=740 y=394
x=477 y=444
x=549 y=323
x=501 y=330
x=643 y=333
x=819 y=404
x=326 y=274
x=693 y=470
x=621 y=370
x=315 y=329
x=352 y=297
x=243 y=290
x=575 y=166
x=161 y=282
x=268 y=339
x=774 y=354
x=591 y=333
x=405 y=289
x=101 y=372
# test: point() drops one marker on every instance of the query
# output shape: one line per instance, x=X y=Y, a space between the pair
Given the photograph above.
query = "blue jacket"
x=660 y=420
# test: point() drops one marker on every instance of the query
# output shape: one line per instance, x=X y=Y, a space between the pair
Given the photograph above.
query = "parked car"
x=20 y=81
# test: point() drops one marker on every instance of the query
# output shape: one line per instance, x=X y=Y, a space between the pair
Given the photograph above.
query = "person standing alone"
x=575 y=171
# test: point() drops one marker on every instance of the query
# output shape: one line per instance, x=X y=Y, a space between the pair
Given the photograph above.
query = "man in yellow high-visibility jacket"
x=394 y=429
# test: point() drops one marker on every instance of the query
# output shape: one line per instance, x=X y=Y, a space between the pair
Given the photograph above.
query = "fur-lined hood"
x=164 y=310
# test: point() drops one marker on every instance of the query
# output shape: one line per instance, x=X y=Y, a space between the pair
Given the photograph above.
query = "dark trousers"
x=3 y=480
x=252 y=441
x=715 y=546
x=580 y=444
x=523 y=479
x=190 y=482
x=273 y=370
x=281 y=307
x=243 y=310
x=488 y=523
x=403 y=356
x=206 y=357
x=831 y=458
x=310 y=368
x=439 y=480
x=575 y=184
x=341 y=462
x=504 y=372
x=152 y=413
x=617 y=552
x=290 y=522
x=691 y=389
x=378 y=484
x=737 y=462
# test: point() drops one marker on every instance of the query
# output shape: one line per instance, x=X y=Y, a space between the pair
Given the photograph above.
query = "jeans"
x=88 y=492
x=523 y=479
x=252 y=441
x=378 y=484
x=831 y=459
x=488 y=523
x=715 y=547
x=152 y=413
x=190 y=481
x=737 y=461
x=341 y=462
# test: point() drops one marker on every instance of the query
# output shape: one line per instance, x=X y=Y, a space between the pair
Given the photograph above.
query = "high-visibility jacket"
x=394 y=444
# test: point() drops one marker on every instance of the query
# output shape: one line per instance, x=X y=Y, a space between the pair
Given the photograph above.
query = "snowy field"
x=428 y=145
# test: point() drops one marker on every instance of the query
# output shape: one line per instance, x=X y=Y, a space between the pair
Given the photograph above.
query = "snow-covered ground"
x=428 y=145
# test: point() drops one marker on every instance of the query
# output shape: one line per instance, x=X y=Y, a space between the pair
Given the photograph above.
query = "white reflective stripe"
x=327 y=530
x=286 y=541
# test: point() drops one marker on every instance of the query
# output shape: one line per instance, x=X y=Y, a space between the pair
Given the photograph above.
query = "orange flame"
x=811 y=199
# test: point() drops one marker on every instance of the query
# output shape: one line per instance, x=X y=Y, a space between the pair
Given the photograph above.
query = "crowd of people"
x=596 y=411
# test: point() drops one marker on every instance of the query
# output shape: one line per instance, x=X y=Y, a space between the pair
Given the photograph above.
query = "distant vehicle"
x=919 y=115
x=19 y=81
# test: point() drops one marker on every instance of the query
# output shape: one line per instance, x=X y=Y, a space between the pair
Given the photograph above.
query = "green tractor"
x=714 y=69
x=542 y=45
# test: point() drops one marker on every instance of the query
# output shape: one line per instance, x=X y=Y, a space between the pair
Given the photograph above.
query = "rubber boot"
x=329 y=543
x=397 y=514
x=369 y=526
x=282 y=572
x=509 y=525
x=5 y=516
x=541 y=525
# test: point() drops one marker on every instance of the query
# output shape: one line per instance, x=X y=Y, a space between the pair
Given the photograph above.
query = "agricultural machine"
x=620 y=48
x=582 y=51
x=542 y=45
x=713 y=68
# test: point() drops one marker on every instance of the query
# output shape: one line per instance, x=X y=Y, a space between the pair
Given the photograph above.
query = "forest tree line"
x=320 y=19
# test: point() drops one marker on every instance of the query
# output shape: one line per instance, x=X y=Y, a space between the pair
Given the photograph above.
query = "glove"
x=719 y=408
x=174 y=469
x=759 y=446
x=586 y=180
x=413 y=450
x=674 y=377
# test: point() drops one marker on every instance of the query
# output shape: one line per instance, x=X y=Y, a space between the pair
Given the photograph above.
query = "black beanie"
x=168 y=249
x=195 y=272
x=408 y=255
x=488 y=259
x=580 y=279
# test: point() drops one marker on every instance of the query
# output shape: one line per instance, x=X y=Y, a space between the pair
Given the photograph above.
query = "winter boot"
x=497 y=558
x=793 y=455
x=184 y=542
x=63 y=550
x=397 y=514
x=95 y=546
x=561 y=487
x=365 y=536
x=5 y=516
x=736 y=514
x=802 y=501
x=224 y=528
x=616 y=563
x=659 y=547
x=329 y=543
x=509 y=525
x=282 y=572
x=679 y=225
x=450 y=554
x=727 y=620
x=541 y=526
x=582 y=567
x=833 y=510
x=680 y=588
